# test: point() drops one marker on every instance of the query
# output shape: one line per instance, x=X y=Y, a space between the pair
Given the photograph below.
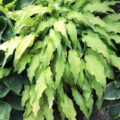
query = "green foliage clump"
x=67 y=48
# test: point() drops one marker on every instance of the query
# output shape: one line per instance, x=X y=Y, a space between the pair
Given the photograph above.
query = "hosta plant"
x=67 y=48
x=112 y=99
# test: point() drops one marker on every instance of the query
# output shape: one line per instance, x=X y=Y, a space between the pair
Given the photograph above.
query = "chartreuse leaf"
x=103 y=34
x=21 y=65
x=68 y=77
x=32 y=94
x=9 y=47
x=38 y=45
x=40 y=115
x=25 y=95
x=61 y=112
x=98 y=6
x=26 y=13
x=67 y=107
x=39 y=91
x=50 y=91
x=48 y=112
x=115 y=61
x=48 y=54
x=113 y=27
x=59 y=67
x=112 y=17
x=33 y=66
x=92 y=40
x=30 y=117
x=74 y=66
x=49 y=77
x=80 y=101
x=28 y=113
x=108 y=69
x=45 y=24
x=4 y=46
x=5 y=110
x=76 y=15
x=115 y=37
x=42 y=81
x=60 y=27
x=1 y=2
x=95 y=68
x=56 y=38
x=50 y=96
x=89 y=100
x=99 y=92
x=93 y=20
x=72 y=31
x=25 y=43
x=79 y=4
x=80 y=81
x=65 y=104
x=88 y=97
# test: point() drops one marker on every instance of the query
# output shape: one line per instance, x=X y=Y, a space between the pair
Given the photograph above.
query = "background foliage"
x=68 y=50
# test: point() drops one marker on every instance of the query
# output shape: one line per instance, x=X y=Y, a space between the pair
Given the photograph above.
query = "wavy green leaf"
x=72 y=31
x=95 y=68
x=74 y=66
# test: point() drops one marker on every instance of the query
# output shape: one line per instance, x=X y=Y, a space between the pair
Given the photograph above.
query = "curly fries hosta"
x=66 y=47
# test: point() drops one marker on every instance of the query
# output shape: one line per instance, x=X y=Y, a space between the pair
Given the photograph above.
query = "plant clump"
x=67 y=48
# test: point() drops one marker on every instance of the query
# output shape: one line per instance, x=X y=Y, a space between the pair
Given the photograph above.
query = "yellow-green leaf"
x=115 y=61
x=33 y=66
x=56 y=38
x=68 y=108
x=95 y=68
x=80 y=101
x=74 y=61
x=92 y=40
x=59 y=67
x=25 y=59
x=50 y=96
x=25 y=95
x=72 y=31
x=60 y=27
x=25 y=42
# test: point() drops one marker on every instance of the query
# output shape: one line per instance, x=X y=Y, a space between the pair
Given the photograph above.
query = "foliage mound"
x=67 y=48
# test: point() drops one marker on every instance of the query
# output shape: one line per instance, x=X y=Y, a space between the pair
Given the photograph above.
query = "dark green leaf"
x=14 y=101
x=111 y=92
x=114 y=108
x=3 y=90
x=14 y=82
x=23 y=3
x=5 y=110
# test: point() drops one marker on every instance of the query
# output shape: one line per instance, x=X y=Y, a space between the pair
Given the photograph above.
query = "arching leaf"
x=74 y=66
x=95 y=68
